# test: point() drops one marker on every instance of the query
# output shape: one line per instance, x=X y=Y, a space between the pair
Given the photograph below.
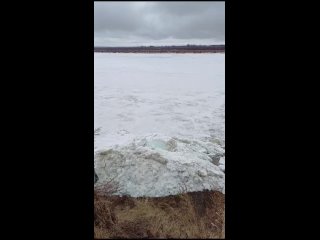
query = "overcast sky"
x=158 y=23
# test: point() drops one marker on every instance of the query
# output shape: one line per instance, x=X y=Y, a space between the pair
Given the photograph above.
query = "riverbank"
x=186 y=215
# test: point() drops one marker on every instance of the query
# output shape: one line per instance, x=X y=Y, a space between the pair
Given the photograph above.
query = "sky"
x=158 y=23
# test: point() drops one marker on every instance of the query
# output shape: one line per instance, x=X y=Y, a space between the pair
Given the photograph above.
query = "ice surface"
x=160 y=121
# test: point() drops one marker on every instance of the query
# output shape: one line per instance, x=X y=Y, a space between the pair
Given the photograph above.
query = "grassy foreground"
x=187 y=215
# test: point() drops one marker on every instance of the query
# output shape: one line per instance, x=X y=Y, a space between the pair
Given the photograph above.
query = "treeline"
x=156 y=49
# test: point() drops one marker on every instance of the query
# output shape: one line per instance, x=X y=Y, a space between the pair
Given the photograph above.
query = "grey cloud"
x=159 y=20
x=116 y=17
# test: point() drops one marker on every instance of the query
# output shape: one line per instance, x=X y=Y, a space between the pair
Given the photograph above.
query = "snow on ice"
x=159 y=121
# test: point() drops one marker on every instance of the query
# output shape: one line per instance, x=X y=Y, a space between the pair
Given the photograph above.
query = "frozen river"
x=160 y=121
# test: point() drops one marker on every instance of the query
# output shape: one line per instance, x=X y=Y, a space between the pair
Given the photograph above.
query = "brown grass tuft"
x=189 y=215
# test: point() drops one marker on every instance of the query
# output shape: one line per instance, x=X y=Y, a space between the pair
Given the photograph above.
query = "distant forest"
x=163 y=49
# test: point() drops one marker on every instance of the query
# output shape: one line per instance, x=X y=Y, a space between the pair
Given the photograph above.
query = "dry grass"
x=188 y=215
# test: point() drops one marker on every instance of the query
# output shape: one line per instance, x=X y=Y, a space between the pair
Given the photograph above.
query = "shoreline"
x=162 y=52
x=164 y=49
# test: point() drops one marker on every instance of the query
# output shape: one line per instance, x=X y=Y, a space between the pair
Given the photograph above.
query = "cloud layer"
x=158 y=23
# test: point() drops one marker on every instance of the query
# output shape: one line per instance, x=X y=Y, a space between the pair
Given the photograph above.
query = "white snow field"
x=160 y=122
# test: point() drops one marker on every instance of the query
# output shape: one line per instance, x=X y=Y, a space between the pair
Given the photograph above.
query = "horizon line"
x=168 y=45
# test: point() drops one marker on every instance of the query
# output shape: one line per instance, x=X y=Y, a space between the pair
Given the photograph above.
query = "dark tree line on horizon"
x=186 y=48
